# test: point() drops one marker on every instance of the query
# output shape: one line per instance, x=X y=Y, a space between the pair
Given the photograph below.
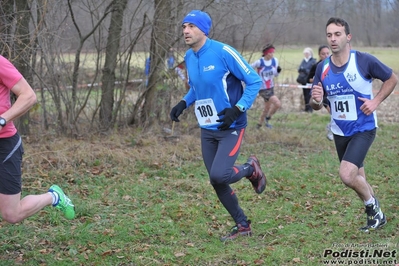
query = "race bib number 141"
x=343 y=107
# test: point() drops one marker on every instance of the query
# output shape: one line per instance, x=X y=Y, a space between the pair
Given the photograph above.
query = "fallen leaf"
x=180 y=254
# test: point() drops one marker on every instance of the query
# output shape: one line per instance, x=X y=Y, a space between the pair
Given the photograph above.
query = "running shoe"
x=268 y=125
x=64 y=203
x=330 y=135
x=238 y=230
x=375 y=218
x=258 y=178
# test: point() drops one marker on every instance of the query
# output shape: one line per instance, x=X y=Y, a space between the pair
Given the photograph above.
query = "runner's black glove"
x=278 y=69
x=229 y=116
x=177 y=110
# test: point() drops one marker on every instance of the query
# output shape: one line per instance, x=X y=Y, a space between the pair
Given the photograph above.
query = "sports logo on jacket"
x=209 y=68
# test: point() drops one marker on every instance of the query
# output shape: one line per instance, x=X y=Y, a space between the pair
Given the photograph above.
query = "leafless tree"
x=85 y=58
x=22 y=54
x=154 y=103
x=108 y=77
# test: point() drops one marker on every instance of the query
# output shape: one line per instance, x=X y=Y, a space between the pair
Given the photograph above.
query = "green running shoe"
x=64 y=203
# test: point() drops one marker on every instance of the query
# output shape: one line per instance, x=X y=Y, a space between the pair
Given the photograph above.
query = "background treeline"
x=58 y=45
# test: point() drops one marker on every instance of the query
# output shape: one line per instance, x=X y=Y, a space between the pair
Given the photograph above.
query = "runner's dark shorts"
x=354 y=148
x=266 y=94
x=11 y=152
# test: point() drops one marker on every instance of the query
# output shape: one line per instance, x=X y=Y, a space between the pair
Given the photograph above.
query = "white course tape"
x=307 y=86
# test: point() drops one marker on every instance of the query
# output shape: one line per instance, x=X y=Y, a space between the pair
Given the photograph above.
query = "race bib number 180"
x=206 y=113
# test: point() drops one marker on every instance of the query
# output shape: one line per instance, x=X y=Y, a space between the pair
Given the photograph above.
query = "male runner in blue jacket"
x=216 y=72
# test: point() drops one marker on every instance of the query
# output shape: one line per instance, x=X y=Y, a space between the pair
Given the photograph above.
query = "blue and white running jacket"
x=218 y=72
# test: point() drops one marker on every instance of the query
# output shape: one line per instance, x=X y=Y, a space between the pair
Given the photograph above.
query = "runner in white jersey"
x=346 y=77
x=267 y=68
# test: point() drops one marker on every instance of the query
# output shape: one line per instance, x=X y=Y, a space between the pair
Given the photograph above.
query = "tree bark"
x=156 y=102
x=22 y=53
x=108 y=78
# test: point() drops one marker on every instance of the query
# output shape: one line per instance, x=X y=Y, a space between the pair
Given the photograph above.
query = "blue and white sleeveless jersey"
x=267 y=70
x=218 y=72
x=344 y=85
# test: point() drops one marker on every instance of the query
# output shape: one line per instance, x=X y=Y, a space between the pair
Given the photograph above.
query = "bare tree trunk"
x=156 y=104
x=6 y=18
x=38 y=61
x=108 y=78
x=71 y=106
x=22 y=54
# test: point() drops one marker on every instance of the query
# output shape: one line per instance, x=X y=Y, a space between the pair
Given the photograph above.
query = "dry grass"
x=143 y=197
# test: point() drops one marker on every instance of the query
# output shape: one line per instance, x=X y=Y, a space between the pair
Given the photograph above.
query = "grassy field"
x=145 y=199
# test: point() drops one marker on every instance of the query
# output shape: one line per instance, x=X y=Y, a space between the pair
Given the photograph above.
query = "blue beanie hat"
x=200 y=19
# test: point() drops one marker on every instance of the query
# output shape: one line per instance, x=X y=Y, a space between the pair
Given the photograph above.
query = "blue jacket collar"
x=205 y=47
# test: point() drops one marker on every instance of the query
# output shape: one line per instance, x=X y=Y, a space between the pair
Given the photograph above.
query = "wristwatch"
x=240 y=107
x=3 y=122
x=316 y=102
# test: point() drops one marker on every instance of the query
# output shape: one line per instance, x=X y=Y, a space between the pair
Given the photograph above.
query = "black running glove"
x=278 y=69
x=229 y=116
x=177 y=110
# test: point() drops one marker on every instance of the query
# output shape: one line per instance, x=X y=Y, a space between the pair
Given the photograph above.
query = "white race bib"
x=343 y=107
x=206 y=113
